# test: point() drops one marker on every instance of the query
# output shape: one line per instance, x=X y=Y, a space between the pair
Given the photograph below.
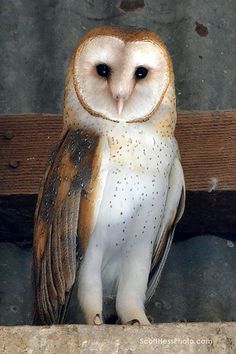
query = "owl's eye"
x=141 y=72
x=103 y=70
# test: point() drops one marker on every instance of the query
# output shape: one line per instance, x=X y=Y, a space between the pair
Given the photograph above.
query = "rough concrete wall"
x=178 y=338
x=198 y=284
x=37 y=37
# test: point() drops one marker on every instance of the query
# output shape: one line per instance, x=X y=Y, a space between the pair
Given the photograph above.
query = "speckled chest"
x=137 y=181
x=140 y=148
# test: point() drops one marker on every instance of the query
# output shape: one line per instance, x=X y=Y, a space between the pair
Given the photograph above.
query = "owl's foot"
x=133 y=322
x=90 y=288
x=97 y=320
x=131 y=312
x=92 y=319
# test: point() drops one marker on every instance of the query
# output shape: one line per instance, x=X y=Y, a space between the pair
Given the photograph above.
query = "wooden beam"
x=25 y=144
x=207 y=143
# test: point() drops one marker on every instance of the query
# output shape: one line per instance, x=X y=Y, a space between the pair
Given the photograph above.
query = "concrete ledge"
x=162 y=338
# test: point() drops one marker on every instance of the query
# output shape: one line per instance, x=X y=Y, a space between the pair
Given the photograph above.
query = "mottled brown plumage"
x=67 y=180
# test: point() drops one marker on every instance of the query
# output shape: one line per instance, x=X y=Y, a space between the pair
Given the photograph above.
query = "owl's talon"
x=133 y=322
x=150 y=319
x=97 y=320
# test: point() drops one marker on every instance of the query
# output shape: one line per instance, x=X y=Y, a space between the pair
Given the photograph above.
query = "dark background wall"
x=37 y=37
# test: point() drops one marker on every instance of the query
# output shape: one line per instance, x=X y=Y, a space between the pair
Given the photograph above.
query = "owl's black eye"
x=103 y=70
x=141 y=72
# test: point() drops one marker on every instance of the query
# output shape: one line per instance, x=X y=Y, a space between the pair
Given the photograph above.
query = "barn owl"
x=114 y=188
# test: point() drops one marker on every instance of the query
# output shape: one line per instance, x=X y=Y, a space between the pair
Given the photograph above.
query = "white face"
x=121 y=81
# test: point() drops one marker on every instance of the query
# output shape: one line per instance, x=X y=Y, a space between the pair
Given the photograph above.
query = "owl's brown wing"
x=65 y=208
x=174 y=209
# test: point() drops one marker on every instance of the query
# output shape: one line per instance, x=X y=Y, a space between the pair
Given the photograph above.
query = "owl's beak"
x=121 y=89
x=119 y=101
x=120 y=104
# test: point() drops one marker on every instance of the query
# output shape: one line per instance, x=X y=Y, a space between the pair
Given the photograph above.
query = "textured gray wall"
x=198 y=284
x=37 y=37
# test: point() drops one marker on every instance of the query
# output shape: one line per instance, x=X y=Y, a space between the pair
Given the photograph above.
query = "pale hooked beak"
x=120 y=104
x=121 y=91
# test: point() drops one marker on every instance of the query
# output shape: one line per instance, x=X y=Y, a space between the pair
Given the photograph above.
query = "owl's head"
x=121 y=76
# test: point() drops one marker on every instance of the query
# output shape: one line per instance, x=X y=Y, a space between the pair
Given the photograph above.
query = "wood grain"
x=207 y=143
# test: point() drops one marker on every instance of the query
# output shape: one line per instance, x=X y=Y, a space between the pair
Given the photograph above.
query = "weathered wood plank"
x=207 y=142
x=25 y=145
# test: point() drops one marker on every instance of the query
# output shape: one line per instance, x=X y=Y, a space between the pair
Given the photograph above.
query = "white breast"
x=134 y=196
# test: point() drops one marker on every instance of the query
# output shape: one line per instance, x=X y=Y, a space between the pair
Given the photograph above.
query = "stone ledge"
x=161 y=338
